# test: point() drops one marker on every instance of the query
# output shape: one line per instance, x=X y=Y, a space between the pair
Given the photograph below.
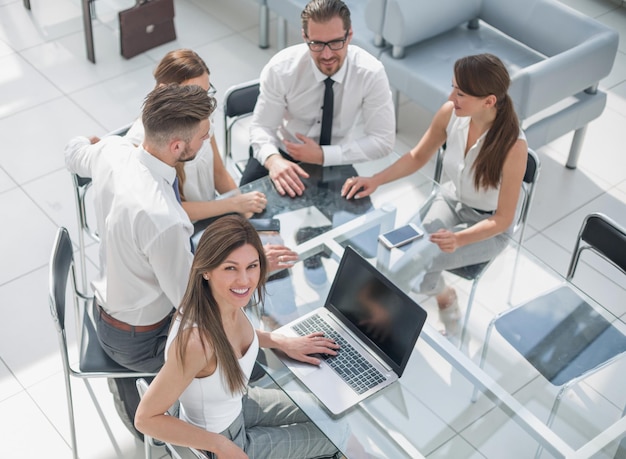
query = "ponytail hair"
x=483 y=75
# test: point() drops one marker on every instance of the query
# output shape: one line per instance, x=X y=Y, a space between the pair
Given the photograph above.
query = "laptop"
x=374 y=322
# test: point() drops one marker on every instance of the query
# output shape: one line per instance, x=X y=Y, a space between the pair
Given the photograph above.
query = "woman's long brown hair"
x=199 y=306
x=483 y=75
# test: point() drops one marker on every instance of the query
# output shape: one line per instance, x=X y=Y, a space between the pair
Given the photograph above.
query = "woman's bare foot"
x=449 y=313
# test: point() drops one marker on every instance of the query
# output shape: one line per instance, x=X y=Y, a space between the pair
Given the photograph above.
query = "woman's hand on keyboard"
x=301 y=347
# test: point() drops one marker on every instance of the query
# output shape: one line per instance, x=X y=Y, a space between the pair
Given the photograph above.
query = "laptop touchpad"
x=303 y=369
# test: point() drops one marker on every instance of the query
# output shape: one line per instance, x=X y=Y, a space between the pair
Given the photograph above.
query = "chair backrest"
x=92 y=359
x=81 y=185
x=61 y=274
x=239 y=102
x=533 y=166
x=61 y=269
x=529 y=182
x=603 y=236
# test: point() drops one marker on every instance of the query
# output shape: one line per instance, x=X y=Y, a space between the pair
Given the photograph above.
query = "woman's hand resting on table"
x=250 y=203
x=358 y=187
x=279 y=257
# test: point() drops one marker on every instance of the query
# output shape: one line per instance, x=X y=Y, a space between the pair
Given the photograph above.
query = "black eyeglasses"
x=334 y=45
x=212 y=91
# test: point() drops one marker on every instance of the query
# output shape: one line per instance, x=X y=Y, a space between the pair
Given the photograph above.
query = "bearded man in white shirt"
x=145 y=251
x=287 y=121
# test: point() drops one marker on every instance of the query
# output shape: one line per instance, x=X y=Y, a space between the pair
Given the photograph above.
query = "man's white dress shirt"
x=199 y=175
x=145 y=255
x=292 y=93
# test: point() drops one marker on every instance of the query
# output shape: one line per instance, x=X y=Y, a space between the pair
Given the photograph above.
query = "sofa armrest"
x=410 y=21
x=545 y=83
x=375 y=19
x=577 y=57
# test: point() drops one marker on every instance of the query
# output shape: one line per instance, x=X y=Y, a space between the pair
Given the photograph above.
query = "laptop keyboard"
x=351 y=366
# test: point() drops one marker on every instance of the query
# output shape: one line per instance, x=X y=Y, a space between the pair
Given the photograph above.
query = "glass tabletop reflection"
x=430 y=409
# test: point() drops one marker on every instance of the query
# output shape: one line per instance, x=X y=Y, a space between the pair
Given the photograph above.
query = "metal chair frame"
x=92 y=360
x=607 y=240
x=81 y=186
x=239 y=102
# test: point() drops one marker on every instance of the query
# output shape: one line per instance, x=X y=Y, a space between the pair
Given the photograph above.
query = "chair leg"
x=579 y=137
x=264 y=17
x=88 y=27
x=483 y=356
x=621 y=449
x=395 y=94
x=576 y=147
x=468 y=310
x=27 y=4
x=513 y=275
x=281 y=28
x=105 y=423
x=70 y=412
x=555 y=407
x=172 y=452
x=147 y=449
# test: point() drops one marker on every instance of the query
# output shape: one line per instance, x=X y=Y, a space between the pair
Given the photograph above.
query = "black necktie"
x=327 y=112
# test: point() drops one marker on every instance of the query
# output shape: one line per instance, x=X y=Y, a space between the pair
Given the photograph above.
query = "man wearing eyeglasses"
x=287 y=123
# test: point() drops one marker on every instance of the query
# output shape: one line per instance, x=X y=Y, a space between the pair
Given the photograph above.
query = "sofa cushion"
x=411 y=21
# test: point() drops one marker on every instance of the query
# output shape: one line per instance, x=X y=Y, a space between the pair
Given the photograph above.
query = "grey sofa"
x=556 y=57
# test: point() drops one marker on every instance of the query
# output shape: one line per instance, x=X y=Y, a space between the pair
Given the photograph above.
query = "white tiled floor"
x=49 y=92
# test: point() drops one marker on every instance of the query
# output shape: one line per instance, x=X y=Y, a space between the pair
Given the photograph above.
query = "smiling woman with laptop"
x=210 y=353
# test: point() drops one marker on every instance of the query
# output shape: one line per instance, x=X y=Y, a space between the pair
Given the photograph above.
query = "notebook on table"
x=374 y=322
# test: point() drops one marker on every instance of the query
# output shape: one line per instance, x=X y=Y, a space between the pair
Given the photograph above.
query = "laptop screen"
x=373 y=308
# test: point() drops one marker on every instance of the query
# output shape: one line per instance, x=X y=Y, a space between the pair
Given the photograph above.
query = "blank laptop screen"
x=367 y=302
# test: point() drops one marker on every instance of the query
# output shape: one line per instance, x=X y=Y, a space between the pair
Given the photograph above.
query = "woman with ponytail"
x=483 y=167
x=210 y=352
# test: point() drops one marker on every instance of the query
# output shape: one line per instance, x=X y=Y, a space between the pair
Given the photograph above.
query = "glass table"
x=429 y=411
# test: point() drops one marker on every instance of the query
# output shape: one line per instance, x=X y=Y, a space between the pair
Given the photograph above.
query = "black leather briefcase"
x=146 y=25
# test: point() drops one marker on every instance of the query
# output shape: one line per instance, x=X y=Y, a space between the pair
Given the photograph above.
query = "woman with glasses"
x=201 y=178
x=483 y=166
